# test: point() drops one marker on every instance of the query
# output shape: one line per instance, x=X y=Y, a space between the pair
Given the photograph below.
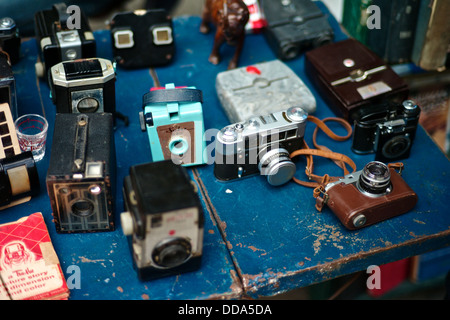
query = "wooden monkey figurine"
x=230 y=18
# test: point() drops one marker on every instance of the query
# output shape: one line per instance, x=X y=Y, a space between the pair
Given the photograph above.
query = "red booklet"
x=29 y=266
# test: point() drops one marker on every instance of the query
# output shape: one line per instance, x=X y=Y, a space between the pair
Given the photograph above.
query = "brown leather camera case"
x=351 y=77
x=347 y=202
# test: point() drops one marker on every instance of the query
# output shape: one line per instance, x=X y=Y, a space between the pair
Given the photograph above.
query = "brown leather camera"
x=369 y=196
x=352 y=79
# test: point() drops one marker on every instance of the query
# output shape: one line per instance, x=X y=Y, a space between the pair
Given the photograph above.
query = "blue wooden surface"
x=277 y=239
x=269 y=239
x=104 y=258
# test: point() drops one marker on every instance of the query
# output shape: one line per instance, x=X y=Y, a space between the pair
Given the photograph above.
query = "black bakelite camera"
x=59 y=41
x=7 y=84
x=10 y=39
x=388 y=131
x=81 y=174
x=83 y=86
x=163 y=219
x=142 y=38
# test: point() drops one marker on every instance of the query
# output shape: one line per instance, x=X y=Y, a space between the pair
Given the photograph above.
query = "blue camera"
x=173 y=119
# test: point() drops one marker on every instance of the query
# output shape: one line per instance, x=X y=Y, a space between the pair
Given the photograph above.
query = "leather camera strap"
x=341 y=160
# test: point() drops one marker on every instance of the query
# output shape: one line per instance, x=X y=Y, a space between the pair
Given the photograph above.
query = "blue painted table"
x=259 y=240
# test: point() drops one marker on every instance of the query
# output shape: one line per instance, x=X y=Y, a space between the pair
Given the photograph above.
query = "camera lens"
x=172 y=252
x=82 y=208
x=88 y=105
x=277 y=166
x=289 y=51
x=396 y=147
x=375 y=178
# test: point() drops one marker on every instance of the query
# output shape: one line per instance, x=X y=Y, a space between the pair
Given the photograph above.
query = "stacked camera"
x=267 y=105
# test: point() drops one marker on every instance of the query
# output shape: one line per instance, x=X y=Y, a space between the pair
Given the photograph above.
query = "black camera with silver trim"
x=261 y=145
x=83 y=86
x=9 y=39
x=7 y=84
x=59 y=41
x=142 y=38
x=163 y=218
x=81 y=174
x=388 y=131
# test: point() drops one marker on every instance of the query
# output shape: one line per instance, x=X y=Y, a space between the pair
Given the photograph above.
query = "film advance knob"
x=296 y=114
x=127 y=223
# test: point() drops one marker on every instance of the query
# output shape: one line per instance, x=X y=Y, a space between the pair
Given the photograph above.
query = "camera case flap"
x=83 y=86
x=357 y=209
x=143 y=38
x=173 y=119
x=349 y=76
x=82 y=172
x=164 y=219
x=294 y=26
x=57 y=42
x=261 y=89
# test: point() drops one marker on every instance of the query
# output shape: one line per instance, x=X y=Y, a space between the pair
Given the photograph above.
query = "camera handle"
x=341 y=160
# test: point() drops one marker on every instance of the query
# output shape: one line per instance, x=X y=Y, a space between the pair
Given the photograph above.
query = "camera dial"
x=375 y=179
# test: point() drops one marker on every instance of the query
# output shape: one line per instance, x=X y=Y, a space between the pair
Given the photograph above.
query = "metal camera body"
x=57 y=42
x=369 y=196
x=81 y=174
x=260 y=145
x=294 y=26
x=388 y=132
x=83 y=86
x=164 y=220
x=9 y=38
x=261 y=88
x=8 y=84
x=142 y=38
x=173 y=120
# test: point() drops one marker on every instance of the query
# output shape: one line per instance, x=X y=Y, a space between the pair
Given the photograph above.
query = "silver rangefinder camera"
x=261 y=145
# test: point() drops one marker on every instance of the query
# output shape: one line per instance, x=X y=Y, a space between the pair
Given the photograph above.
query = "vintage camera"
x=143 y=38
x=83 y=86
x=261 y=88
x=7 y=84
x=81 y=174
x=10 y=39
x=294 y=26
x=164 y=219
x=371 y=195
x=173 y=119
x=387 y=131
x=19 y=180
x=261 y=145
x=58 y=41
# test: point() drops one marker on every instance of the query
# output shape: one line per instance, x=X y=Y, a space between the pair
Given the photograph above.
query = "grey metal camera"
x=261 y=145
x=163 y=219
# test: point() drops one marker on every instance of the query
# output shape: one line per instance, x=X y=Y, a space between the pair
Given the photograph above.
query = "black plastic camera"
x=387 y=131
x=7 y=84
x=294 y=26
x=142 y=38
x=81 y=174
x=10 y=39
x=59 y=41
x=163 y=219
